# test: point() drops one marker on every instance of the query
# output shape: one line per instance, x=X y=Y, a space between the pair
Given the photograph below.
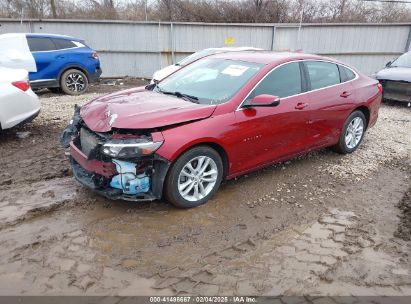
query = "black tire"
x=342 y=146
x=74 y=82
x=55 y=90
x=171 y=192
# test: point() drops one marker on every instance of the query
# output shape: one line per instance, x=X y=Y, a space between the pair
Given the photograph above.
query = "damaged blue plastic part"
x=127 y=179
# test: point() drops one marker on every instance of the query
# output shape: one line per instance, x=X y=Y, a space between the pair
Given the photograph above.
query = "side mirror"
x=388 y=64
x=264 y=100
x=151 y=86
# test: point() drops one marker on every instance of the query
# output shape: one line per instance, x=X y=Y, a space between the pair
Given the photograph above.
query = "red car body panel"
x=251 y=138
x=276 y=131
x=103 y=168
x=327 y=112
x=140 y=109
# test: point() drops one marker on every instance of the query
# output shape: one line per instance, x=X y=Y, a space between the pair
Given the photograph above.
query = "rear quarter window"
x=63 y=43
x=346 y=74
x=40 y=44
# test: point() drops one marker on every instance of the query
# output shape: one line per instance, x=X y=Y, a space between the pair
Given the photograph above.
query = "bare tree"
x=166 y=9
x=258 y=9
x=240 y=11
x=53 y=8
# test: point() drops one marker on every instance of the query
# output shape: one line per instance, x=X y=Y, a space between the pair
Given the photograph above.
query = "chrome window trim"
x=301 y=60
x=75 y=47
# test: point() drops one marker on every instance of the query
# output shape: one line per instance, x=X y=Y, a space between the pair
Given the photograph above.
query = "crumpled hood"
x=395 y=74
x=140 y=109
x=11 y=75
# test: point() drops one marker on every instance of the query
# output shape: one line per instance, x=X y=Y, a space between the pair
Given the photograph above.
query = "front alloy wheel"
x=197 y=178
x=194 y=177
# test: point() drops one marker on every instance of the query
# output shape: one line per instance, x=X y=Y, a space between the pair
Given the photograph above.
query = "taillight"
x=94 y=55
x=23 y=85
x=379 y=85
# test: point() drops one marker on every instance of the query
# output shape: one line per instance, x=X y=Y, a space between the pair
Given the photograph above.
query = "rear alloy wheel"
x=194 y=177
x=352 y=134
x=74 y=82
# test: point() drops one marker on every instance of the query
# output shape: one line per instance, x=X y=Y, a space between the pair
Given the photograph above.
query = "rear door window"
x=41 y=44
x=283 y=81
x=63 y=43
x=322 y=74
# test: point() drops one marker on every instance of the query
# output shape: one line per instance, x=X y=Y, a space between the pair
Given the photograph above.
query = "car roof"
x=44 y=35
x=269 y=57
x=53 y=36
x=233 y=48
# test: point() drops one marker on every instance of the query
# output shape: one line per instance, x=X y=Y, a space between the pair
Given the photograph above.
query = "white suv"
x=168 y=70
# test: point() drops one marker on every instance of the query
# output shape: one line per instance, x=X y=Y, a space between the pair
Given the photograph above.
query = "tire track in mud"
x=268 y=266
x=305 y=262
x=29 y=201
x=299 y=259
x=314 y=258
x=404 y=228
x=35 y=158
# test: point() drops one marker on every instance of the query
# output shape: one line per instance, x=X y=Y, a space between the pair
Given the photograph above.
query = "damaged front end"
x=120 y=164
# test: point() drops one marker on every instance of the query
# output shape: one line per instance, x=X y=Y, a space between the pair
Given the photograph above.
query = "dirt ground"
x=322 y=224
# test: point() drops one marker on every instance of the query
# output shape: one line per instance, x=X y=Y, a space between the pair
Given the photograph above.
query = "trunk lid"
x=12 y=75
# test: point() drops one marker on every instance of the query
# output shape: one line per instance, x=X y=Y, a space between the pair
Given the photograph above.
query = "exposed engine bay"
x=128 y=180
x=120 y=164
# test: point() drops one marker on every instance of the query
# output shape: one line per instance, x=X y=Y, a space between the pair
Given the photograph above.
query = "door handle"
x=345 y=94
x=301 y=105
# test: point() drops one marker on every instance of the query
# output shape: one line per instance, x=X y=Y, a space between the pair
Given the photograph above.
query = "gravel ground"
x=388 y=141
x=320 y=224
x=404 y=228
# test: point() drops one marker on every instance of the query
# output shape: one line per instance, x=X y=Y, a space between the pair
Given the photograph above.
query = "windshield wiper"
x=181 y=95
x=187 y=97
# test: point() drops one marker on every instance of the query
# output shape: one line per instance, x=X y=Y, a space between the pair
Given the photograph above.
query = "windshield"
x=209 y=81
x=196 y=55
x=403 y=61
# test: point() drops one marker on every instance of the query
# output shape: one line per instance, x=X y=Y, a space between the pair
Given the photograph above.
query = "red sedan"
x=215 y=119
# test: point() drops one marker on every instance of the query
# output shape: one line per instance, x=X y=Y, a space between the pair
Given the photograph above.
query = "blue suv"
x=62 y=63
